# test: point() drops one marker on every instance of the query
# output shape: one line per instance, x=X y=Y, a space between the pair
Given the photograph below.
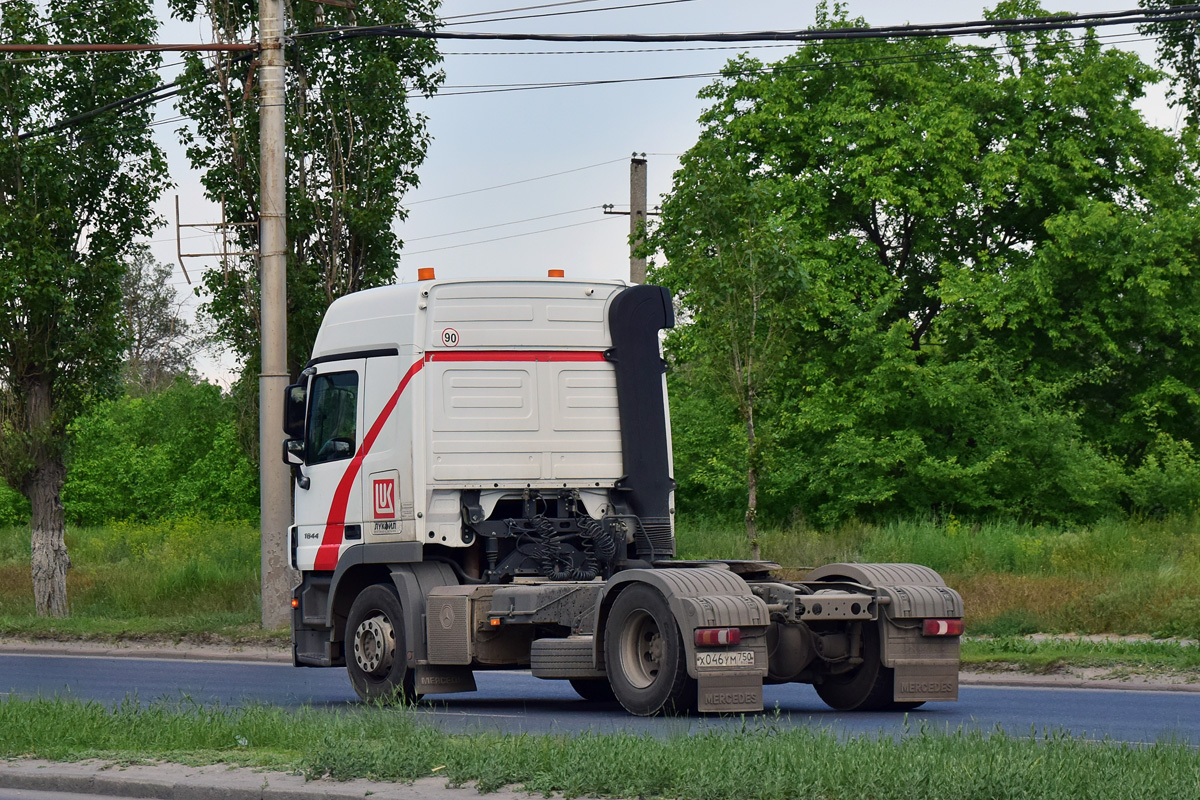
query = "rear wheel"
x=644 y=655
x=868 y=687
x=376 y=657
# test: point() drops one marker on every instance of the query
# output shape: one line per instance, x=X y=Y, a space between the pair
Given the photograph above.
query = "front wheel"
x=644 y=655
x=868 y=687
x=375 y=653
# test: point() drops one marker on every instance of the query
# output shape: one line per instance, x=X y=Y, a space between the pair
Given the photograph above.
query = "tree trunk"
x=50 y=560
x=752 y=488
x=43 y=487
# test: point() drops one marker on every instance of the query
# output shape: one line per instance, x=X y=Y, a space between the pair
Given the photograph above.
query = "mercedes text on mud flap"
x=483 y=481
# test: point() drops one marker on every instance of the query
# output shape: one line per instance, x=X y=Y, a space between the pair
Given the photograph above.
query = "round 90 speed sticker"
x=450 y=337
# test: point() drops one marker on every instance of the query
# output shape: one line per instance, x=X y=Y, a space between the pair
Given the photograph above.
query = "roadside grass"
x=1143 y=657
x=181 y=578
x=759 y=760
x=192 y=579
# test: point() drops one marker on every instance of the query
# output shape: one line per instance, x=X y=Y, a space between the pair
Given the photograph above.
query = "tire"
x=869 y=687
x=594 y=690
x=376 y=656
x=644 y=655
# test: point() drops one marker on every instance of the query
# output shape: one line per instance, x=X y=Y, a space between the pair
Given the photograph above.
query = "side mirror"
x=295 y=401
x=293 y=456
x=293 y=452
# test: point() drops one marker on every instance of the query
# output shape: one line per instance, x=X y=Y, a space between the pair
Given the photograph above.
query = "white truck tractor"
x=483 y=480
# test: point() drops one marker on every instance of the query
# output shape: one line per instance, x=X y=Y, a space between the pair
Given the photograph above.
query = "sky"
x=513 y=182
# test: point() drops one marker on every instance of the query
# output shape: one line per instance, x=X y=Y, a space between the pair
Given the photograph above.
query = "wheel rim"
x=375 y=645
x=641 y=650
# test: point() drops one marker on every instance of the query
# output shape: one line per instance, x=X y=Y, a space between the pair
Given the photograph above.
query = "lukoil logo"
x=385 y=498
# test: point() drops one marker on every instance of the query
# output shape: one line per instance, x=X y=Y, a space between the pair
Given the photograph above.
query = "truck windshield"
x=333 y=417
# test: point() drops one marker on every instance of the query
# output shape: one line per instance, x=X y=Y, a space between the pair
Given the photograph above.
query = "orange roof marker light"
x=425 y=273
x=556 y=273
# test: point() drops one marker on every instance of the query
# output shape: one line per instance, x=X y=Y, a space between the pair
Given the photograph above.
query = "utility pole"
x=637 y=216
x=274 y=479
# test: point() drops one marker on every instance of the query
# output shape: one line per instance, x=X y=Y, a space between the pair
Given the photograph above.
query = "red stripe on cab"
x=515 y=355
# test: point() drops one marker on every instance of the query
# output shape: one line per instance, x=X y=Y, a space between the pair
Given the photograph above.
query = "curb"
x=183 y=653
x=215 y=782
x=1009 y=680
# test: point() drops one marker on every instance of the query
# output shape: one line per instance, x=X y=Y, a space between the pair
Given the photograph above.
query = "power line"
x=503 y=88
x=63 y=56
x=126 y=48
x=514 y=183
x=614 y=52
x=50 y=22
x=568 y=13
x=932 y=55
x=501 y=224
x=524 y=87
x=949 y=29
x=163 y=91
x=482 y=241
x=639 y=50
x=149 y=97
x=503 y=238
x=523 y=8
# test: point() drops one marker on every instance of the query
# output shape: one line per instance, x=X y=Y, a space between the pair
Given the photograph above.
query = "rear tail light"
x=942 y=627
x=710 y=637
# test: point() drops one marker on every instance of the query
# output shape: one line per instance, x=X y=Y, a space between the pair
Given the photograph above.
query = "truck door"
x=387 y=471
x=329 y=511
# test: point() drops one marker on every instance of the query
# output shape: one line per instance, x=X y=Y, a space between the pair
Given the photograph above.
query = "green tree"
x=72 y=202
x=159 y=341
x=729 y=254
x=1178 y=45
x=999 y=312
x=353 y=148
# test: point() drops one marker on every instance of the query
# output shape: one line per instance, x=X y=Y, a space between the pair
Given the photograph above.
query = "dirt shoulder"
x=1059 y=676
x=150 y=647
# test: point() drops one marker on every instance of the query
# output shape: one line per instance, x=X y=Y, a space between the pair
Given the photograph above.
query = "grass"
x=179 y=579
x=759 y=761
x=1045 y=656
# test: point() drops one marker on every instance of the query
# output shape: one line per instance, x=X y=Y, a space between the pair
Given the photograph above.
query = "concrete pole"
x=637 y=216
x=274 y=477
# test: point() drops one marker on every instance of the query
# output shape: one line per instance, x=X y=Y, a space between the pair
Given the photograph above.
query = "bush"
x=14 y=508
x=159 y=456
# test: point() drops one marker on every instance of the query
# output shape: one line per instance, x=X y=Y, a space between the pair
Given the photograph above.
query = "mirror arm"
x=301 y=479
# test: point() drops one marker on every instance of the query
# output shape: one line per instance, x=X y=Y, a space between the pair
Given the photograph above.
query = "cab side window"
x=332 y=421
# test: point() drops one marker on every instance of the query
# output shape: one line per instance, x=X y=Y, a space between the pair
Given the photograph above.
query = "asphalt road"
x=518 y=702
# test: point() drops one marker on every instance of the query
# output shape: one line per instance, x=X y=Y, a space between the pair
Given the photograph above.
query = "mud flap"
x=920 y=682
x=729 y=692
x=444 y=680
